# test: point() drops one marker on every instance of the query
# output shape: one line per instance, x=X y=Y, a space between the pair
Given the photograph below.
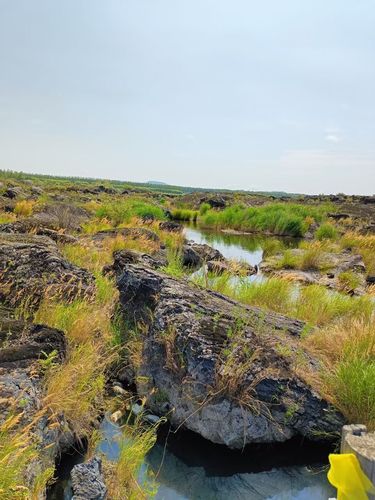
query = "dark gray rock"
x=121 y=258
x=223 y=370
x=32 y=268
x=195 y=254
x=33 y=226
x=88 y=482
x=22 y=345
x=238 y=268
x=12 y=192
x=171 y=226
x=61 y=216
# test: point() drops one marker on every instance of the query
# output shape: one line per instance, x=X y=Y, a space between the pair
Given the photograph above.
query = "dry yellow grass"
x=24 y=208
x=347 y=376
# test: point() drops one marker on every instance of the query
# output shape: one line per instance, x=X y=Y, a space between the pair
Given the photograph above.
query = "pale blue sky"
x=271 y=95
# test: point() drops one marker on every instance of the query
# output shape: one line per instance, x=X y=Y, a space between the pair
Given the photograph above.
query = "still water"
x=195 y=470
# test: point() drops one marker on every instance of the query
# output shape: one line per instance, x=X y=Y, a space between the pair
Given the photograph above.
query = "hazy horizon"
x=213 y=94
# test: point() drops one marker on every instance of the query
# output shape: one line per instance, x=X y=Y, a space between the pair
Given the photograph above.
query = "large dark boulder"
x=231 y=373
x=171 y=226
x=122 y=258
x=32 y=268
x=195 y=254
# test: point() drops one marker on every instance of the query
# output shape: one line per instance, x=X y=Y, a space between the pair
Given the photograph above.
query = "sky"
x=238 y=94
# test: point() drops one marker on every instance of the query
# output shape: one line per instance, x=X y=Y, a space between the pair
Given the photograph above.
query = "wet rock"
x=195 y=254
x=173 y=227
x=33 y=226
x=88 y=482
x=32 y=268
x=225 y=369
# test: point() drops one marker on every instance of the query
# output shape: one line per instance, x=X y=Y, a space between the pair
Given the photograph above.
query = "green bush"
x=184 y=214
x=326 y=232
x=204 y=208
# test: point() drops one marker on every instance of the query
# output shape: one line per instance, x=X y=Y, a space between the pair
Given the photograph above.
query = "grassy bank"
x=281 y=219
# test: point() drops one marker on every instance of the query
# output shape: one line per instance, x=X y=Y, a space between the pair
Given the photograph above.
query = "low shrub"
x=204 y=208
x=24 y=208
x=348 y=281
x=326 y=232
x=183 y=214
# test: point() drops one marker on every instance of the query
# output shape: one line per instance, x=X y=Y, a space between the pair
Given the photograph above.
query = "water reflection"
x=246 y=247
x=178 y=479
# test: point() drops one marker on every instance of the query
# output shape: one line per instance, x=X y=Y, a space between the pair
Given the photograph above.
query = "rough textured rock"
x=195 y=254
x=221 y=369
x=12 y=192
x=22 y=344
x=32 y=267
x=171 y=226
x=127 y=232
x=62 y=216
x=88 y=482
x=333 y=264
x=33 y=226
x=121 y=258
x=240 y=268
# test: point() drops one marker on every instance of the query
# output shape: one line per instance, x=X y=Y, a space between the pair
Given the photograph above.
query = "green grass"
x=314 y=304
x=122 y=476
x=184 y=214
x=175 y=266
x=123 y=211
x=310 y=258
x=348 y=281
x=326 y=232
x=17 y=451
x=347 y=377
x=284 y=219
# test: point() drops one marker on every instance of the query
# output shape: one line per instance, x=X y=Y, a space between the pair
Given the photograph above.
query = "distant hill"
x=157 y=183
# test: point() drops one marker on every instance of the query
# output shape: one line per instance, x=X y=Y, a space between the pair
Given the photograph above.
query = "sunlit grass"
x=314 y=304
x=347 y=378
x=284 y=219
x=122 y=476
x=17 y=452
x=123 y=211
x=24 y=208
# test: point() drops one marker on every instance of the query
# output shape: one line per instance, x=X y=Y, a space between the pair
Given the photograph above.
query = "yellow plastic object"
x=346 y=475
